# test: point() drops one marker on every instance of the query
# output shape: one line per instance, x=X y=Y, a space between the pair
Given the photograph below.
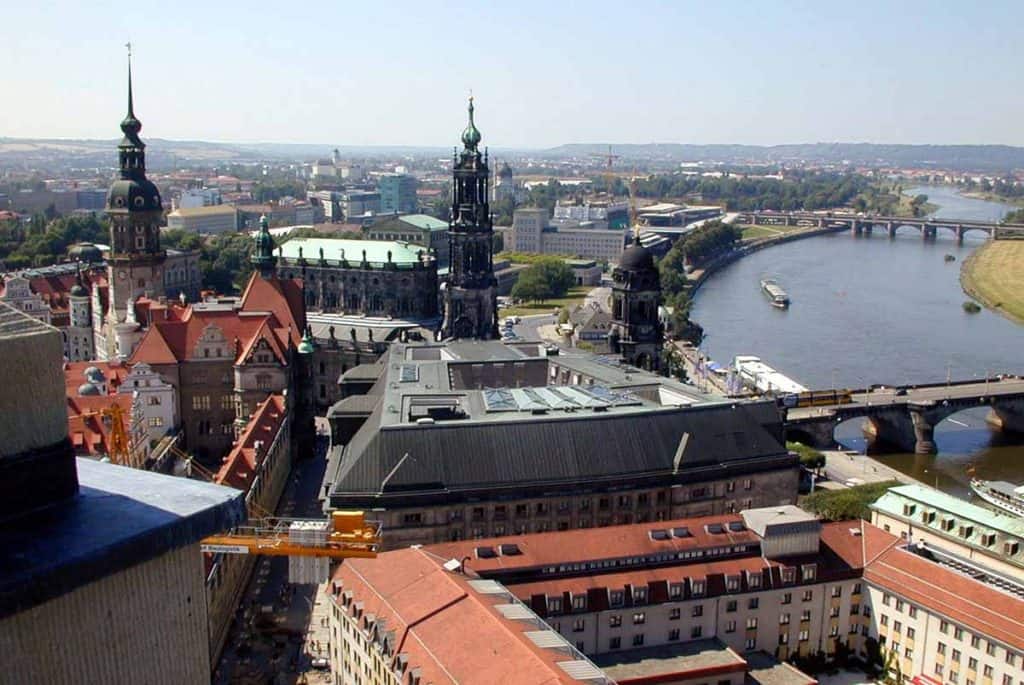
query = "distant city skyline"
x=543 y=74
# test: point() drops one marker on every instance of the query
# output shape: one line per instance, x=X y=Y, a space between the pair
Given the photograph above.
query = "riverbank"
x=992 y=197
x=758 y=241
x=994 y=276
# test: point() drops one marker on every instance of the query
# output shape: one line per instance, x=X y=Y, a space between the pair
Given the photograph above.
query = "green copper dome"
x=471 y=136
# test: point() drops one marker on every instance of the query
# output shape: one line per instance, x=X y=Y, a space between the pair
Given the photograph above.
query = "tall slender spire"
x=131 y=126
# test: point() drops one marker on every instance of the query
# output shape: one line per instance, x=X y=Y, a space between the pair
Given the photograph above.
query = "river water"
x=870 y=309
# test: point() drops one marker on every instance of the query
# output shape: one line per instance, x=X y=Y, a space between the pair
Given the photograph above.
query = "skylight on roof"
x=485 y=553
x=681 y=532
x=659 y=534
x=736 y=526
x=715 y=528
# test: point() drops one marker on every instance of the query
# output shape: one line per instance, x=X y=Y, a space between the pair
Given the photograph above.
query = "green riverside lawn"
x=994 y=275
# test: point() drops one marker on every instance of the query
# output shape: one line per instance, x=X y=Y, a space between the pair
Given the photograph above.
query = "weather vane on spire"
x=129 y=46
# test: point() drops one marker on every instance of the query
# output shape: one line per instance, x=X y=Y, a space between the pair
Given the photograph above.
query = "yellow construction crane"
x=118 y=444
x=608 y=175
x=346 y=535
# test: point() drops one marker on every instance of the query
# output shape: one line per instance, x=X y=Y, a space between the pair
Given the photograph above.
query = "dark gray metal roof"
x=568 y=448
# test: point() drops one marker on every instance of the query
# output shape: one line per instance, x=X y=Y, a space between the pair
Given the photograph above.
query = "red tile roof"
x=589 y=544
x=55 y=289
x=448 y=630
x=942 y=590
x=241 y=463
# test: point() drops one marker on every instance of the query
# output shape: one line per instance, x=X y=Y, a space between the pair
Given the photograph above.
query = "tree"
x=847 y=503
x=810 y=458
x=557 y=274
x=531 y=287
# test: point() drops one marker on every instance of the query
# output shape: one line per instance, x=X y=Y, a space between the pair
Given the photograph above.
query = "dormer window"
x=640 y=595
x=698 y=587
x=809 y=572
x=789 y=575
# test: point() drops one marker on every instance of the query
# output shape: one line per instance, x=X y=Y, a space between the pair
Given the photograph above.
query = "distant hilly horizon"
x=990 y=158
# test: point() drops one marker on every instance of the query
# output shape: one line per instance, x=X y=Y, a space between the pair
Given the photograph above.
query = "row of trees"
x=223 y=258
x=715 y=238
x=1015 y=217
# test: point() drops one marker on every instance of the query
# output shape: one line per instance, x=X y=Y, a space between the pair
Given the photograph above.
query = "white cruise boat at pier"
x=999 y=493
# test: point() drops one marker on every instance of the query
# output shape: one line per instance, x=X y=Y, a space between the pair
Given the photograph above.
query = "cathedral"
x=470 y=292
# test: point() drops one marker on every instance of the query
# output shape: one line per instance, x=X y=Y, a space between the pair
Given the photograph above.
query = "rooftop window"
x=681 y=532
x=485 y=553
x=659 y=534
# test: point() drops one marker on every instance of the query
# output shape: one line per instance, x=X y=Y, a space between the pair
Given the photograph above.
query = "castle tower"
x=636 y=333
x=263 y=250
x=136 y=262
x=470 y=293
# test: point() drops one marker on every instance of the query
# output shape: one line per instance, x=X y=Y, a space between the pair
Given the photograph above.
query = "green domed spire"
x=306 y=344
x=471 y=136
x=263 y=249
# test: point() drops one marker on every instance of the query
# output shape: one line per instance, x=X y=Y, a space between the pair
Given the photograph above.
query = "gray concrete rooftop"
x=121 y=517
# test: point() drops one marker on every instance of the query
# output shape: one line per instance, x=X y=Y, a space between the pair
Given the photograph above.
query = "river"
x=870 y=309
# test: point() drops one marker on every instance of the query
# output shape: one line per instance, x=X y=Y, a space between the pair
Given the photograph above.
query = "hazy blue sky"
x=544 y=73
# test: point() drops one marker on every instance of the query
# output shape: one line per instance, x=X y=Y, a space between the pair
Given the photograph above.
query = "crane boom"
x=346 y=534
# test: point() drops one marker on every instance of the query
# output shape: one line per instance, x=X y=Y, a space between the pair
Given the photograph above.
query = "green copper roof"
x=424 y=221
x=892 y=503
x=471 y=136
x=263 y=247
x=334 y=248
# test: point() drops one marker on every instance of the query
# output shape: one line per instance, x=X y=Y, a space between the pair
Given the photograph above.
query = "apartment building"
x=212 y=219
x=773 y=580
x=948 y=620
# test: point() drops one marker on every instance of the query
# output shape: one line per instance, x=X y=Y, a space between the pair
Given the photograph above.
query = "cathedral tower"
x=636 y=333
x=136 y=262
x=470 y=293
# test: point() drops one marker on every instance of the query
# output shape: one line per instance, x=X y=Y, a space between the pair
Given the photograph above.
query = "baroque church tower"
x=637 y=334
x=470 y=292
x=136 y=262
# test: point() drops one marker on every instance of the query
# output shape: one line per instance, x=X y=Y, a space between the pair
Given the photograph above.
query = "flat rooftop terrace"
x=697 y=658
x=120 y=518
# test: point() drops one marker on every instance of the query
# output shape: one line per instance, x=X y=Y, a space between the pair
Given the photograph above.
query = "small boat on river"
x=778 y=297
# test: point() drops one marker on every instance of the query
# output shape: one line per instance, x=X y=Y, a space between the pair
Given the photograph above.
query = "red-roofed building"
x=225 y=356
x=670 y=582
x=771 y=580
x=258 y=464
x=404 y=618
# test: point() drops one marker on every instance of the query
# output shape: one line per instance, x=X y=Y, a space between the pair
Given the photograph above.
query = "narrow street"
x=268 y=641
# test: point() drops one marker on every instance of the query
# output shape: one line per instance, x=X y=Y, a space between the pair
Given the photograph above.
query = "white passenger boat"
x=999 y=493
x=778 y=297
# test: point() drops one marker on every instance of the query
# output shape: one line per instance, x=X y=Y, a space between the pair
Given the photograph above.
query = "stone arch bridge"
x=858 y=223
x=906 y=419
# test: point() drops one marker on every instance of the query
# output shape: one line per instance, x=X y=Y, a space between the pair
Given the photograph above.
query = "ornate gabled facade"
x=470 y=293
x=224 y=358
x=136 y=261
x=637 y=334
